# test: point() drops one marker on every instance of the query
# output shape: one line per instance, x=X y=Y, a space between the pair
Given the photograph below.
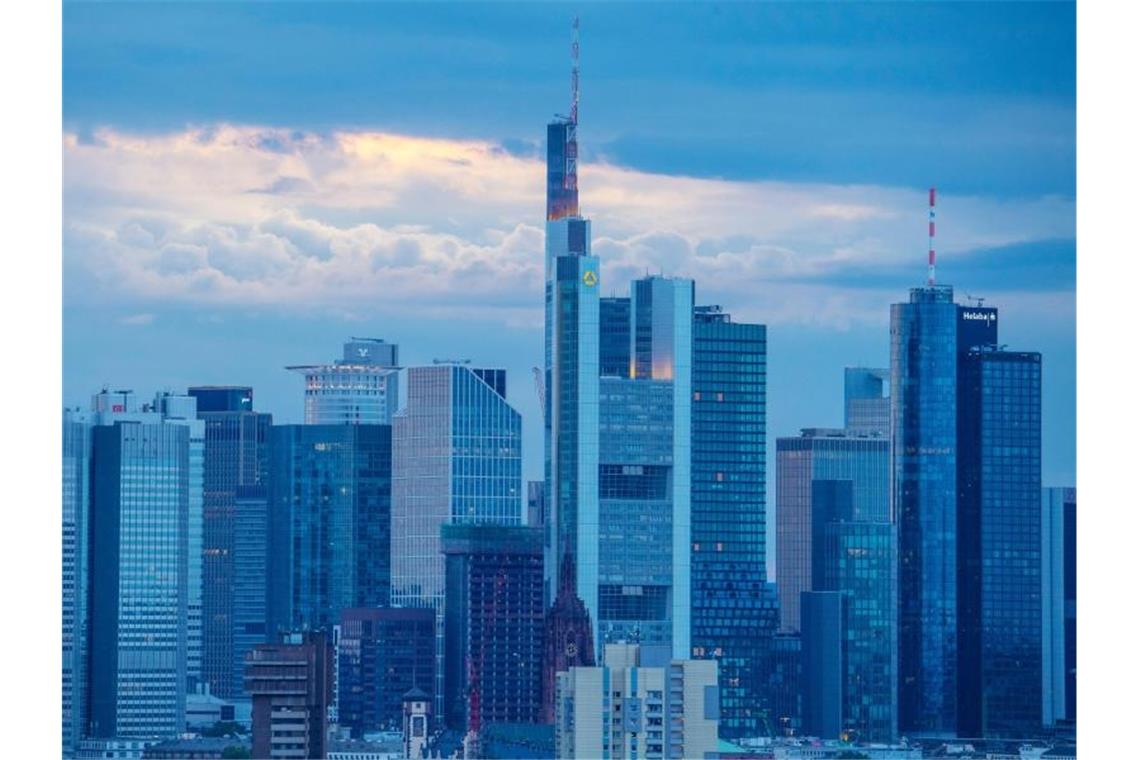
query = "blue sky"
x=248 y=185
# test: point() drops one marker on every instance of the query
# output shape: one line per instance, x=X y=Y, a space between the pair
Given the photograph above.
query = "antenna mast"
x=930 y=255
x=574 y=73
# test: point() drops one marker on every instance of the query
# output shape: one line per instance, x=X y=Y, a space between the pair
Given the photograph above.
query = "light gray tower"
x=361 y=388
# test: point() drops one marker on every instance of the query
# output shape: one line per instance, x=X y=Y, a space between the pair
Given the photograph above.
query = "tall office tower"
x=857 y=560
x=329 y=512
x=494 y=625
x=1058 y=605
x=236 y=457
x=76 y=516
x=250 y=608
x=456 y=459
x=823 y=616
x=783 y=678
x=360 y=389
x=644 y=486
x=821 y=456
x=383 y=653
x=835 y=536
x=290 y=685
x=999 y=549
x=924 y=413
x=146 y=472
x=613 y=337
x=865 y=407
x=733 y=620
x=641 y=703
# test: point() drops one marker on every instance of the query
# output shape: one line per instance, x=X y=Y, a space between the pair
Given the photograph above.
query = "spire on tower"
x=930 y=255
x=574 y=73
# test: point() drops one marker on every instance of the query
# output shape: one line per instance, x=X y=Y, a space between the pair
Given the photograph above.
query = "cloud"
x=227 y=215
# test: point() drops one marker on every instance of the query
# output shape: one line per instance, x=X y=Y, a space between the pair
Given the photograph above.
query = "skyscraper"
x=457 y=459
x=821 y=456
x=236 y=457
x=361 y=388
x=145 y=466
x=77 y=426
x=924 y=406
x=999 y=550
x=1059 y=604
x=643 y=545
x=613 y=337
x=835 y=538
x=733 y=620
x=865 y=407
x=493 y=624
x=329 y=512
x=572 y=376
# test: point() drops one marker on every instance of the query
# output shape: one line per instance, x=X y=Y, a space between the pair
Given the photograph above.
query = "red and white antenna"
x=574 y=74
x=930 y=255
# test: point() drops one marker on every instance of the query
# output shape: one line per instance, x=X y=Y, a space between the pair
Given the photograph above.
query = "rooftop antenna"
x=930 y=255
x=574 y=73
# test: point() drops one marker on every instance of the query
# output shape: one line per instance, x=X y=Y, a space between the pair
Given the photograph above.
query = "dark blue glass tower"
x=614 y=338
x=733 y=618
x=236 y=457
x=329 y=514
x=999 y=531
x=924 y=420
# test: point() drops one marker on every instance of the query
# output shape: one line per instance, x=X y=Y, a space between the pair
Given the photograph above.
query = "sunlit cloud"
x=369 y=222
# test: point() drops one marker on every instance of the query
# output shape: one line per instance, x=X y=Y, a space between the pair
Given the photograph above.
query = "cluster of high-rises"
x=383 y=566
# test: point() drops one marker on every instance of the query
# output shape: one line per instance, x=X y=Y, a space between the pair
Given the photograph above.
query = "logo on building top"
x=981 y=316
x=590 y=278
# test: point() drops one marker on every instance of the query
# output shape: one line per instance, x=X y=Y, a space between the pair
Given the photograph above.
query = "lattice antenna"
x=574 y=73
x=930 y=255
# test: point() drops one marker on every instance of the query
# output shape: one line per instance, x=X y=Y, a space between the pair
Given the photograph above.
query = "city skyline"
x=314 y=226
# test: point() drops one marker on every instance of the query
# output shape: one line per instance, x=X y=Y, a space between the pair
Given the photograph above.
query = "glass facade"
x=732 y=618
x=820 y=454
x=75 y=553
x=924 y=505
x=383 y=654
x=330 y=501
x=457 y=459
x=614 y=340
x=865 y=407
x=236 y=456
x=142 y=569
x=360 y=389
x=250 y=595
x=999 y=526
x=571 y=410
x=858 y=561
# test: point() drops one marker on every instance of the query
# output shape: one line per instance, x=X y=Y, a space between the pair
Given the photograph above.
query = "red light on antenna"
x=932 y=196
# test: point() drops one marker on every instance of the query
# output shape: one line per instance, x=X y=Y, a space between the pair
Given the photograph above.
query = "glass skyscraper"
x=834 y=533
x=236 y=457
x=821 y=455
x=1059 y=604
x=144 y=564
x=329 y=512
x=865 y=407
x=614 y=342
x=733 y=620
x=457 y=459
x=924 y=418
x=361 y=388
x=999 y=531
x=77 y=427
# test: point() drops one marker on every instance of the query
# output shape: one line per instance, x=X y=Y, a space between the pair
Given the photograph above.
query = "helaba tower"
x=571 y=402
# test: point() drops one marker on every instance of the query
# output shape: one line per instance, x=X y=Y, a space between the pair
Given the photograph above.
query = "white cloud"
x=358 y=221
